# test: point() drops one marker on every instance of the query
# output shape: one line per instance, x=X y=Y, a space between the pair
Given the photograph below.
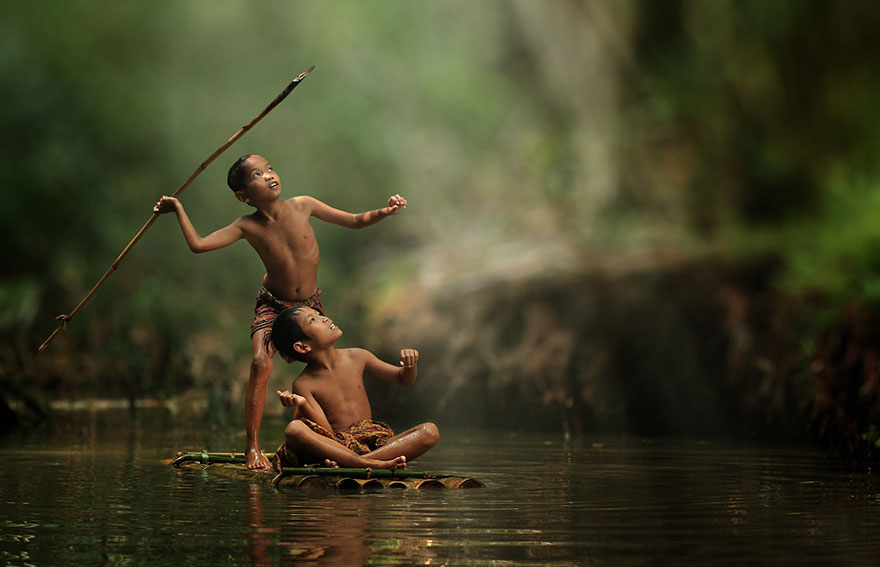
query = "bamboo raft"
x=232 y=465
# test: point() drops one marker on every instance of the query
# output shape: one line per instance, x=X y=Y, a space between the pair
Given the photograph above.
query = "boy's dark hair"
x=285 y=332
x=235 y=177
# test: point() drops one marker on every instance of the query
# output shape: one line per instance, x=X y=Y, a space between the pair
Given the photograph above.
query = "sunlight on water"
x=99 y=493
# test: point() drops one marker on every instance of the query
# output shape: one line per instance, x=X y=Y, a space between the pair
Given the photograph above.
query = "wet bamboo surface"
x=231 y=465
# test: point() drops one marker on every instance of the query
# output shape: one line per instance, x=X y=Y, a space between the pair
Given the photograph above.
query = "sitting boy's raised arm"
x=326 y=213
x=406 y=373
x=217 y=239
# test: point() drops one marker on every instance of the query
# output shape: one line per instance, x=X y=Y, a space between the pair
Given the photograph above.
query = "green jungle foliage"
x=513 y=129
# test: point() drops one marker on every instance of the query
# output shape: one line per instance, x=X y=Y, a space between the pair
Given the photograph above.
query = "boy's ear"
x=301 y=347
x=241 y=197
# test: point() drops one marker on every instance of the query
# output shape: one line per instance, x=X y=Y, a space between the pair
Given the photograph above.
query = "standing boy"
x=281 y=233
x=333 y=421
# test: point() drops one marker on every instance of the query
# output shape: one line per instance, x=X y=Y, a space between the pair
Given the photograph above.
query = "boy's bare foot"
x=393 y=464
x=255 y=459
x=331 y=464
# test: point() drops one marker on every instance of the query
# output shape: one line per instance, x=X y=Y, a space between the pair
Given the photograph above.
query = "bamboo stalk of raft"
x=318 y=478
x=65 y=319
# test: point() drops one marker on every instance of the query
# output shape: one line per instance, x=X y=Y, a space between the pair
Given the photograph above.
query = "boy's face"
x=320 y=329
x=260 y=181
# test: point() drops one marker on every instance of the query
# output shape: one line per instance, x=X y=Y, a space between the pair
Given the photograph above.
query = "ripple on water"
x=546 y=502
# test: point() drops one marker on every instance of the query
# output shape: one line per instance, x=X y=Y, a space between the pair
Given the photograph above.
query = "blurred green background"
x=538 y=143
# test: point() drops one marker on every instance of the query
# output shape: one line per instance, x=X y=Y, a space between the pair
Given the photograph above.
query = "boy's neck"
x=324 y=359
x=270 y=210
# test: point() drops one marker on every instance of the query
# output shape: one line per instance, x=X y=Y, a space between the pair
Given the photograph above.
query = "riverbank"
x=693 y=347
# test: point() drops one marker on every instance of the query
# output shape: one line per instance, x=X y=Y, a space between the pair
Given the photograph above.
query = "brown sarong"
x=268 y=307
x=362 y=437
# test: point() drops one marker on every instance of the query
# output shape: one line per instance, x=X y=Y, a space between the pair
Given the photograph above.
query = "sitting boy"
x=333 y=420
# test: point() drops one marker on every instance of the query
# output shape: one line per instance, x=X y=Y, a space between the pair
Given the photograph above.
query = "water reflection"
x=259 y=536
x=309 y=535
x=333 y=529
x=98 y=493
x=330 y=533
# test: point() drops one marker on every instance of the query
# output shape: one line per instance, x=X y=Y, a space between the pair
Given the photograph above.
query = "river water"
x=94 y=489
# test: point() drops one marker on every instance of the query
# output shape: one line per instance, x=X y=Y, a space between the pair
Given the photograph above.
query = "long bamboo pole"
x=65 y=319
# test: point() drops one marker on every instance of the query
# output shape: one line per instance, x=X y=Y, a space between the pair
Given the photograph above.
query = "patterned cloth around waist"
x=362 y=437
x=268 y=307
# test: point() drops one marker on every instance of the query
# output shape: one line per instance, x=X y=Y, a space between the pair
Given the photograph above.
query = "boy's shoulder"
x=255 y=217
x=348 y=355
x=302 y=381
x=352 y=354
x=356 y=353
x=300 y=203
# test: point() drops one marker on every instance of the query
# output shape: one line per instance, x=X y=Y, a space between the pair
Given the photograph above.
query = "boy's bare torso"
x=339 y=391
x=288 y=248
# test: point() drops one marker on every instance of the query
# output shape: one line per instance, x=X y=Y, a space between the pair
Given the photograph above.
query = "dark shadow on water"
x=95 y=488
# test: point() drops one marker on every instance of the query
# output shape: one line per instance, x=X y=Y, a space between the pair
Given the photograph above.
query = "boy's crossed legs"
x=394 y=454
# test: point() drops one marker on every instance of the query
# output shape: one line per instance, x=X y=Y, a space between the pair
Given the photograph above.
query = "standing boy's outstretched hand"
x=395 y=204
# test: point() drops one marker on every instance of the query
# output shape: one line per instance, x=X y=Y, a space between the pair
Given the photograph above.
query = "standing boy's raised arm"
x=217 y=239
x=406 y=373
x=326 y=213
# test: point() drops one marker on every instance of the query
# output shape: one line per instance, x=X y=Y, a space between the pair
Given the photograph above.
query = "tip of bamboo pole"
x=303 y=75
x=49 y=340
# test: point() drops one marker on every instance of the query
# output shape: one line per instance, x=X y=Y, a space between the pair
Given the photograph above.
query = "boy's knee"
x=431 y=433
x=295 y=430
x=261 y=364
